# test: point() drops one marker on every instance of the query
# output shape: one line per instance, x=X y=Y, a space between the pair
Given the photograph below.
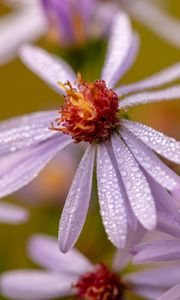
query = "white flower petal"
x=44 y=250
x=157 y=141
x=157 y=20
x=150 y=162
x=168 y=94
x=111 y=199
x=35 y=285
x=77 y=202
x=12 y=214
x=19 y=168
x=136 y=185
x=48 y=67
x=119 y=45
x=163 y=77
x=24 y=131
x=27 y=24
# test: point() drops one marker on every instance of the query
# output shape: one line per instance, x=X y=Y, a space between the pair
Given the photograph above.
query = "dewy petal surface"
x=157 y=141
x=163 y=77
x=48 y=67
x=12 y=214
x=111 y=199
x=44 y=251
x=24 y=131
x=118 y=48
x=77 y=202
x=150 y=161
x=170 y=93
x=35 y=285
x=17 y=28
x=19 y=168
x=136 y=185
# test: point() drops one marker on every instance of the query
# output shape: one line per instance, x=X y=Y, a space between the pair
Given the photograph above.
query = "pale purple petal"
x=123 y=256
x=12 y=214
x=172 y=294
x=163 y=77
x=19 y=168
x=111 y=200
x=24 y=131
x=149 y=293
x=157 y=141
x=77 y=202
x=136 y=185
x=48 y=67
x=44 y=251
x=160 y=277
x=168 y=250
x=35 y=285
x=150 y=162
x=157 y=20
x=17 y=28
x=119 y=45
x=167 y=94
x=167 y=224
x=130 y=58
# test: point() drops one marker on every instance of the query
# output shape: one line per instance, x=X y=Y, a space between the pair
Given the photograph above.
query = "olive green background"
x=22 y=92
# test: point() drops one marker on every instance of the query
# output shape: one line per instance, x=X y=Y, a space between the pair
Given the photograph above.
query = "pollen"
x=101 y=284
x=90 y=111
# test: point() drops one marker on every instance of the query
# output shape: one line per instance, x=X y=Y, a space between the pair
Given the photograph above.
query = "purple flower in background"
x=154 y=16
x=132 y=180
x=67 y=22
x=72 y=274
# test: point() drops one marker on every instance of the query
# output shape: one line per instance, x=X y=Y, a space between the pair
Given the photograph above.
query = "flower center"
x=100 y=285
x=90 y=112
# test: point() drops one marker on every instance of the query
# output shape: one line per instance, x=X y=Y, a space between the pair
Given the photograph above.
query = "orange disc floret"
x=101 y=284
x=89 y=113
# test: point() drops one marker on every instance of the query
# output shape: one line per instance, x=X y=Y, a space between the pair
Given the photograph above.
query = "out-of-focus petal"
x=19 y=168
x=119 y=45
x=44 y=250
x=167 y=250
x=167 y=94
x=48 y=67
x=167 y=224
x=122 y=256
x=35 y=285
x=161 y=277
x=157 y=141
x=157 y=20
x=150 y=162
x=111 y=200
x=12 y=214
x=136 y=185
x=77 y=202
x=27 y=24
x=161 y=78
x=173 y=294
x=24 y=131
x=149 y=293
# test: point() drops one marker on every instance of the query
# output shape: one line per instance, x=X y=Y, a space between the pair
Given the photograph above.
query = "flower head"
x=72 y=274
x=133 y=182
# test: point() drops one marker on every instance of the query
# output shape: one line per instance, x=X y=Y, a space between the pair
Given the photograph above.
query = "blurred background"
x=22 y=92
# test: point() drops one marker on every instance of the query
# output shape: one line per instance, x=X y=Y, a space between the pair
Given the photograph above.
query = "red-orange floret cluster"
x=100 y=285
x=89 y=113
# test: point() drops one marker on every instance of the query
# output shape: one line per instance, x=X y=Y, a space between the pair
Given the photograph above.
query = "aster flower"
x=72 y=274
x=153 y=16
x=66 y=22
x=131 y=178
